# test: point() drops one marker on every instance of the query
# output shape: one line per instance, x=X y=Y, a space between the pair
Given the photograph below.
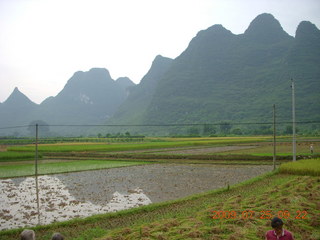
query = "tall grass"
x=302 y=167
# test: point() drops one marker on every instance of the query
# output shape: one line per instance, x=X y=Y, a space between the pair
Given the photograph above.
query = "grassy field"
x=302 y=167
x=19 y=170
x=110 y=147
x=16 y=156
x=151 y=150
x=95 y=155
x=282 y=149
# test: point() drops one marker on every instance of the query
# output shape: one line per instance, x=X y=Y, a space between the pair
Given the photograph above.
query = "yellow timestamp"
x=264 y=214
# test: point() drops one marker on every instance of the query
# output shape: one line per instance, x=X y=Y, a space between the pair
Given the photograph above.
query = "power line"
x=14 y=127
x=162 y=125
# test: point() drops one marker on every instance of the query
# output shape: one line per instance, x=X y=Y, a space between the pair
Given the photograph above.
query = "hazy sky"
x=43 y=42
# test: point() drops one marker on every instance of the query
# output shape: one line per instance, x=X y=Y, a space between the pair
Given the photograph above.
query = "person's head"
x=277 y=224
x=57 y=236
x=27 y=235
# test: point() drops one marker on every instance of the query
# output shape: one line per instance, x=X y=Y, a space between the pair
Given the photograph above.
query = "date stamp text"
x=265 y=214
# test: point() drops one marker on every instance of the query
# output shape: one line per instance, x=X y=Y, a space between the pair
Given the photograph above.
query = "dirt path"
x=191 y=150
x=3 y=148
x=208 y=150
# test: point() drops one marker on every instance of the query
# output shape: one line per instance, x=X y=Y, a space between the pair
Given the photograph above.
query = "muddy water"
x=81 y=194
x=160 y=182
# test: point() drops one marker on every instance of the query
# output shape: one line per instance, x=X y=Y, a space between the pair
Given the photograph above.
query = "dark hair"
x=27 y=235
x=57 y=236
x=276 y=222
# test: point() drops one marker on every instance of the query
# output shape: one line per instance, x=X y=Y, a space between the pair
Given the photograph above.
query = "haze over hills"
x=140 y=96
x=226 y=77
x=219 y=77
x=16 y=110
x=87 y=98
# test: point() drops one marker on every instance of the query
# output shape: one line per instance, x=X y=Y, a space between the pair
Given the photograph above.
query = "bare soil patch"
x=160 y=182
x=209 y=150
x=3 y=148
x=79 y=194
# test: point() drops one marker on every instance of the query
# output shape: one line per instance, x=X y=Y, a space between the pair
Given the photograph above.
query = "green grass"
x=16 y=156
x=302 y=167
x=259 y=200
x=20 y=170
x=191 y=217
x=134 y=146
x=282 y=149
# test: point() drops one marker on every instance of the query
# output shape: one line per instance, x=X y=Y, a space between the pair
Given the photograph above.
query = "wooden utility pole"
x=294 y=150
x=274 y=137
x=36 y=175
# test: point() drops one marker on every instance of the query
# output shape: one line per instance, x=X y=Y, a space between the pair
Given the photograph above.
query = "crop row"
x=16 y=141
x=21 y=170
x=11 y=156
x=302 y=167
x=131 y=146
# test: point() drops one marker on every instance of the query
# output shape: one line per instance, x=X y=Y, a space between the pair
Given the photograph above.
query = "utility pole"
x=36 y=175
x=294 y=150
x=274 y=137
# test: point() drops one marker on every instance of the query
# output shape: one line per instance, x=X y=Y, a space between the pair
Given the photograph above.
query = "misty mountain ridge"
x=266 y=29
x=18 y=98
x=220 y=76
x=88 y=97
x=140 y=96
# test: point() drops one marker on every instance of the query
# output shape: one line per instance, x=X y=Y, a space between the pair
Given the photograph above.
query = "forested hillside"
x=227 y=77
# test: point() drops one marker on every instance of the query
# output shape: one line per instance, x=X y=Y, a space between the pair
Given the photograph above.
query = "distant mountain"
x=220 y=77
x=265 y=29
x=140 y=96
x=18 y=109
x=304 y=65
x=18 y=99
x=226 y=77
x=87 y=98
x=125 y=82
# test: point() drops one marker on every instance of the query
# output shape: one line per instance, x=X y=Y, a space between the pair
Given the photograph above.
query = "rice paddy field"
x=51 y=167
x=9 y=156
x=240 y=211
x=148 y=144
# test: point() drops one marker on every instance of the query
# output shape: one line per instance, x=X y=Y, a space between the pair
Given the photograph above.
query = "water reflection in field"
x=67 y=196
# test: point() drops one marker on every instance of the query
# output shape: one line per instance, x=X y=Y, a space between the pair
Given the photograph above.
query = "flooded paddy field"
x=80 y=194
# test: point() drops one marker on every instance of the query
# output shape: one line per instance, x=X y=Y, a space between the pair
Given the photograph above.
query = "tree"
x=237 y=131
x=289 y=130
x=127 y=134
x=208 y=129
x=225 y=127
x=193 y=131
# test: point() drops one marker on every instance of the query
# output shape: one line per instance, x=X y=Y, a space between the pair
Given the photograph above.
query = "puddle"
x=81 y=194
